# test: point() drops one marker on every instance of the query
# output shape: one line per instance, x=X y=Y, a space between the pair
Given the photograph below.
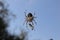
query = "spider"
x=29 y=19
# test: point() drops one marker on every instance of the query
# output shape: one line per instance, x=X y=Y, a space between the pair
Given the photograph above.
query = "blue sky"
x=48 y=18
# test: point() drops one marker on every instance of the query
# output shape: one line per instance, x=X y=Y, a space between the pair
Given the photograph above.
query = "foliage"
x=4 y=24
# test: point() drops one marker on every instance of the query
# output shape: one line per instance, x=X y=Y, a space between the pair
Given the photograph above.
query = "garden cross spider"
x=29 y=19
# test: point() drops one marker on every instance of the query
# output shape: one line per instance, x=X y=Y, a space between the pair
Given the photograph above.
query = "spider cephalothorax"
x=29 y=20
x=29 y=17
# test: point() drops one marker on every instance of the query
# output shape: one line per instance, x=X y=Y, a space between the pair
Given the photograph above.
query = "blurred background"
x=48 y=18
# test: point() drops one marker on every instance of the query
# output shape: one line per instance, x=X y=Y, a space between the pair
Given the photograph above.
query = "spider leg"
x=27 y=24
x=25 y=13
x=25 y=21
x=32 y=25
x=35 y=15
x=35 y=21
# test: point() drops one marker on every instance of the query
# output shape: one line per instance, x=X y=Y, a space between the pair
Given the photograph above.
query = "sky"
x=48 y=18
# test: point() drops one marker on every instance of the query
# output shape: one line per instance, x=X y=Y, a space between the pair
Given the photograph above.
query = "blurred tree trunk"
x=3 y=25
